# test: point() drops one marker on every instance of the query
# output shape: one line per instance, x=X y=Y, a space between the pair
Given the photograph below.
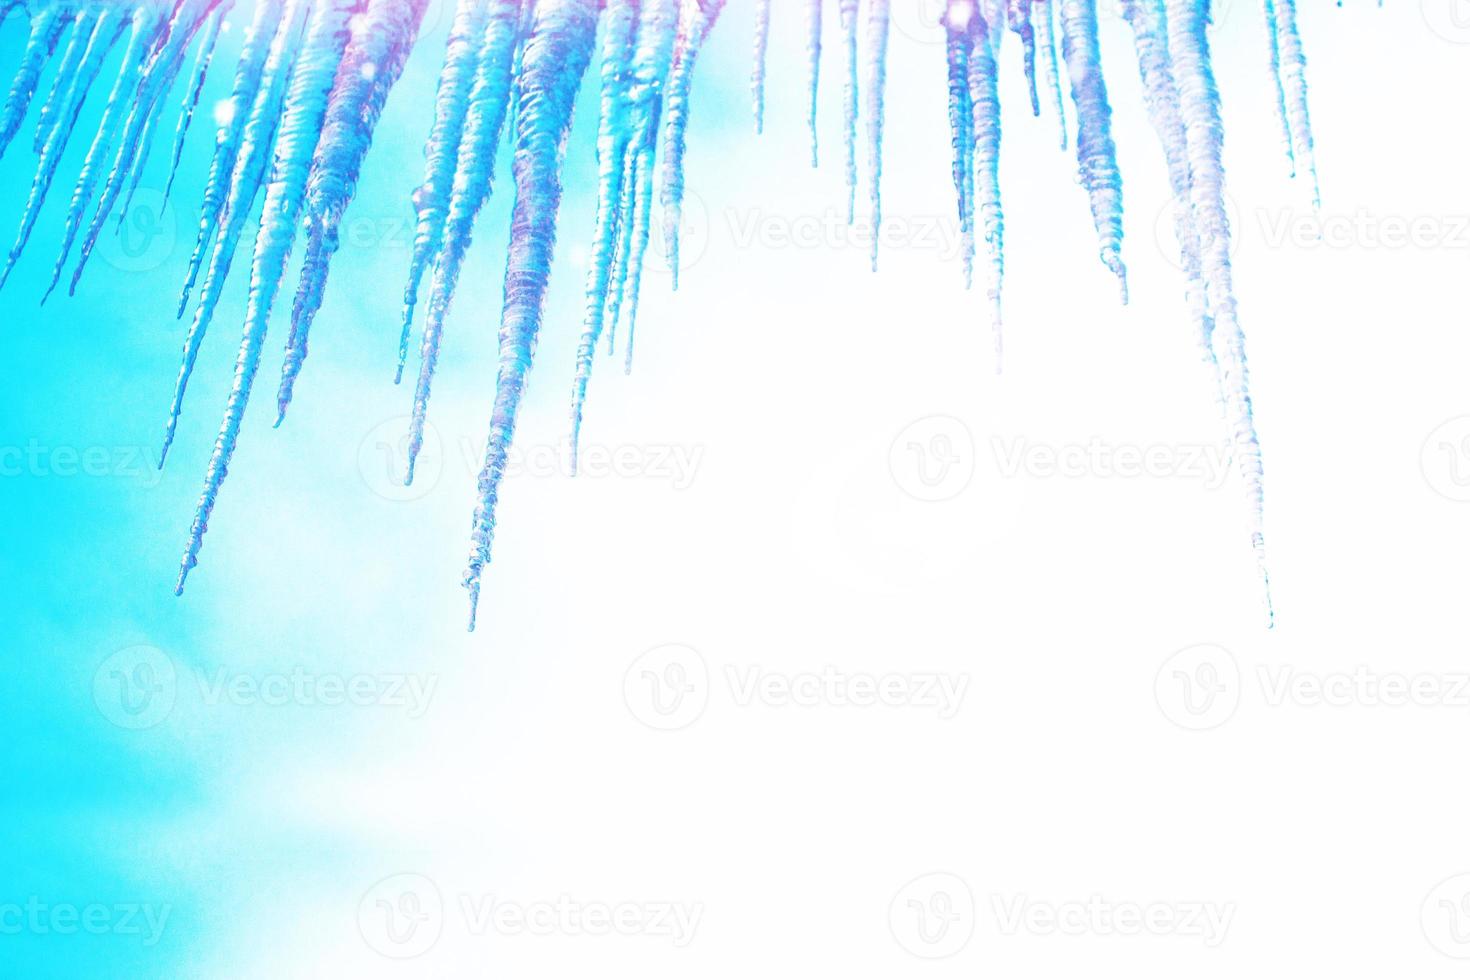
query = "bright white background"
x=1073 y=769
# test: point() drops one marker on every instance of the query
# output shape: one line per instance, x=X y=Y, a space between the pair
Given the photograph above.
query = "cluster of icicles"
x=313 y=76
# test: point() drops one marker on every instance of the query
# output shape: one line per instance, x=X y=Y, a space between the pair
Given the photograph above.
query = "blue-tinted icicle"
x=695 y=21
x=265 y=31
x=958 y=41
x=47 y=27
x=300 y=129
x=197 y=75
x=473 y=174
x=1018 y=16
x=614 y=133
x=89 y=22
x=813 y=68
x=556 y=56
x=1096 y=154
x=847 y=11
x=1044 y=24
x=758 y=67
x=431 y=200
x=1200 y=105
x=985 y=158
x=1294 y=80
x=877 y=38
x=381 y=39
x=1273 y=46
x=248 y=172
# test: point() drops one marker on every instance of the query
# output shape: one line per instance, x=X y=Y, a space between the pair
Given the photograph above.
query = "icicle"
x=147 y=27
x=1294 y=79
x=1200 y=106
x=370 y=66
x=985 y=131
x=1096 y=155
x=265 y=31
x=1043 y=24
x=657 y=33
x=813 y=67
x=1161 y=96
x=107 y=31
x=695 y=21
x=191 y=94
x=957 y=59
x=300 y=128
x=46 y=30
x=473 y=175
x=431 y=200
x=556 y=57
x=613 y=136
x=877 y=37
x=1018 y=16
x=758 y=70
x=847 y=15
x=68 y=73
x=137 y=138
x=1273 y=45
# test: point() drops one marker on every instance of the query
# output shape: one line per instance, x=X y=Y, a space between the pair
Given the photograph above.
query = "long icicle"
x=88 y=22
x=1161 y=98
x=473 y=181
x=556 y=56
x=1096 y=154
x=152 y=89
x=245 y=179
x=957 y=60
x=619 y=33
x=46 y=29
x=985 y=131
x=1200 y=105
x=813 y=68
x=695 y=22
x=197 y=75
x=1294 y=78
x=263 y=33
x=370 y=67
x=305 y=108
x=431 y=199
x=1043 y=22
x=1018 y=17
x=847 y=15
x=758 y=66
x=877 y=54
x=1273 y=48
x=108 y=29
